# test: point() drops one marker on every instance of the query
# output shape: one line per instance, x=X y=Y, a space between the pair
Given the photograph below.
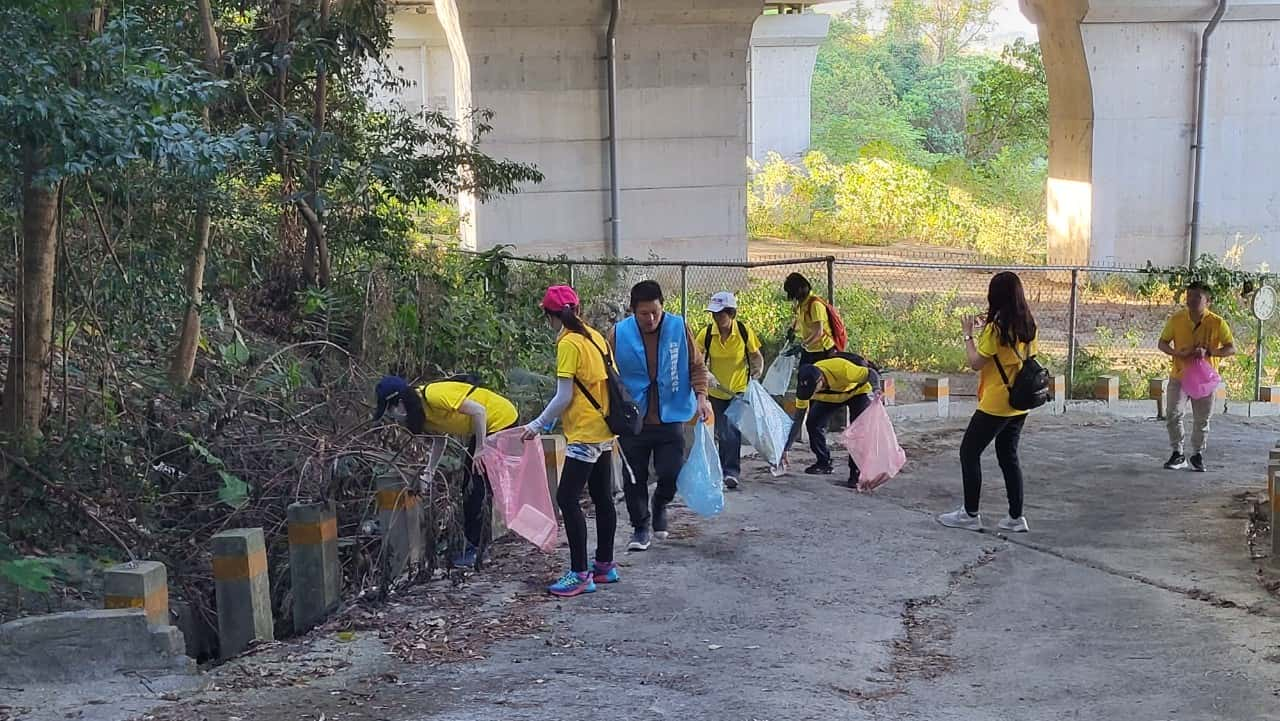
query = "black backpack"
x=624 y=417
x=1030 y=387
x=742 y=331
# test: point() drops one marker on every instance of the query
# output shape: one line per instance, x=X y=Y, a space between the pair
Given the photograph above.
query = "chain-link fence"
x=906 y=312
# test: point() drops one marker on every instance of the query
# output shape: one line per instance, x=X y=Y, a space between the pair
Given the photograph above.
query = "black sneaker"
x=1197 y=463
x=820 y=469
x=730 y=482
x=660 y=523
x=1176 y=462
x=640 y=540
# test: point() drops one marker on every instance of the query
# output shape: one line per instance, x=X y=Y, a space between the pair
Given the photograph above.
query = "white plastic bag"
x=761 y=421
x=778 y=378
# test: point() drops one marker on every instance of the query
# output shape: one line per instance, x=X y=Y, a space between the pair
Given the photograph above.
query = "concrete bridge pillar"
x=682 y=103
x=784 y=49
x=1122 y=85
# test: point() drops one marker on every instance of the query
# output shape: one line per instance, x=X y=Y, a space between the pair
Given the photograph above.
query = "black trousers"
x=1006 y=432
x=820 y=413
x=598 y=479
x=664 y=443
x=728 y=439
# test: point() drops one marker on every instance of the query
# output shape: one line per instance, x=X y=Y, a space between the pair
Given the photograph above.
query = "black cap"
x=807 y=382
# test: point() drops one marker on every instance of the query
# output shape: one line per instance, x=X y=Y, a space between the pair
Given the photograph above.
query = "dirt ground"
x=1133 y=597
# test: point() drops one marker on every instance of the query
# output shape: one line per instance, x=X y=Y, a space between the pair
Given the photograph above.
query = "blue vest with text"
x=676 y=402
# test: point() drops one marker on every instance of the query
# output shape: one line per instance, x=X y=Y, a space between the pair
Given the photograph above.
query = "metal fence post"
x=684 y=290
x=1257 y=367
x=573 y=275
x=1071 y=330
x=831 y=278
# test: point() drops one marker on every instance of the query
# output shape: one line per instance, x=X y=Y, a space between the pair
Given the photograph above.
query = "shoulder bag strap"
x=607 y=362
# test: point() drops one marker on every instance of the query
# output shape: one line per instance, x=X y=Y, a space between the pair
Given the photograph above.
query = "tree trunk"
x=22 y=409
x=289 y=229
x=183 y=362
x=184 y=355
x=316 y=259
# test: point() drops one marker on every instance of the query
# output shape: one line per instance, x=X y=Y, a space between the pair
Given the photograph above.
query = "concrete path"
x=1132 y=598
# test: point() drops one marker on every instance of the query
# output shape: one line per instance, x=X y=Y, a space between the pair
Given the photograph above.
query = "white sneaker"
x=960 y=518
x=660 y=535
x=1014 y=525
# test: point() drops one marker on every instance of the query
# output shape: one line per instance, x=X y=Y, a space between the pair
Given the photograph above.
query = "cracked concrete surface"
x=1133 y=597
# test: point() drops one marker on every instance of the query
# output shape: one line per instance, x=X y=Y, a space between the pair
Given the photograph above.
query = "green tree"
x=1011 y=103
x=940 y=100
x=855 y=101
x=952 y=26
x=82 y=92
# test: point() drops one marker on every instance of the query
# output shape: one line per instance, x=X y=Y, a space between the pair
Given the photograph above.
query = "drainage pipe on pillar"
x=611 y=41
x=1193 y=249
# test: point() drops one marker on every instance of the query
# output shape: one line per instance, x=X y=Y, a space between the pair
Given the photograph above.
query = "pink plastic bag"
x=1199 y=379
x=517 y=472
x=871 y=442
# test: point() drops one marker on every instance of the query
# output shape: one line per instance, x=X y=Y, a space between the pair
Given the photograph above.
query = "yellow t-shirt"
x=812 y=310
x=1212 y=333
x=728 y=359
x=993 y=394
x=443 y=401
x=845 y=379
x=577 y=358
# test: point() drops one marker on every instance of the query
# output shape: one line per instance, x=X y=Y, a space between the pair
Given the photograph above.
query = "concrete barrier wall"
x=87 y=645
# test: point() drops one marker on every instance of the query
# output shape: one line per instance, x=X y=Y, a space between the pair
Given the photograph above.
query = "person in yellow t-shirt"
x=733 y=356
x=1003 y=342
x=580 y=404
x=1192 y=334
x=811 y=325
x=829 y=385
x=457 y=406
x=810 y=338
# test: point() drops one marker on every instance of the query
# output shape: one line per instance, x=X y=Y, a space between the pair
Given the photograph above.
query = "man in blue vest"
x=665 y=373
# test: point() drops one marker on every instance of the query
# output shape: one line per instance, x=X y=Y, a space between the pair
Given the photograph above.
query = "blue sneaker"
x=573 y=584
x=605 y=572
x=467 y=558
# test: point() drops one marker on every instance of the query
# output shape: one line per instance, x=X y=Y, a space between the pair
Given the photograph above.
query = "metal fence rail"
x=1093 y=320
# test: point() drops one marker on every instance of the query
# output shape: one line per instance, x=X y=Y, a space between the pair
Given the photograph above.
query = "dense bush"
x=880 y=200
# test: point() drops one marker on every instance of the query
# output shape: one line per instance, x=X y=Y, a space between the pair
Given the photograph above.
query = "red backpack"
x=839 y=333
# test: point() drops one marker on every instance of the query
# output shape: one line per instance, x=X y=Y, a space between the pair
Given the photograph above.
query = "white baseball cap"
x=722 y=300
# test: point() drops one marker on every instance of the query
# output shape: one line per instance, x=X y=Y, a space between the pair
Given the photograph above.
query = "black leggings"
x=1006 y=432
x=598 y=477
x=477 y=500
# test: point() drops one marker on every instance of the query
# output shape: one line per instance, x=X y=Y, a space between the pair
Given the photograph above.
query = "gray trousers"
x=1176 y=410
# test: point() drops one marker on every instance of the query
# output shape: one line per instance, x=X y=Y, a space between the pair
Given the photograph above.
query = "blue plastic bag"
x=761 y=421
x=701 y=481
